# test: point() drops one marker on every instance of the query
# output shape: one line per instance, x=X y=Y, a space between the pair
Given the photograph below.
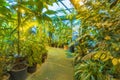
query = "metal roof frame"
x=66 y=8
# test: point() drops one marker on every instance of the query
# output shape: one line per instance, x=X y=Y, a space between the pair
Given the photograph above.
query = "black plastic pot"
x=32 y=69
x=116 y=76
x=44 y=57
x=71 y=49
x=19 y=72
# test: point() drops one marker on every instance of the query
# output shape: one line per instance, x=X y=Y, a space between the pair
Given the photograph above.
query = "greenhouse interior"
x=59 y=39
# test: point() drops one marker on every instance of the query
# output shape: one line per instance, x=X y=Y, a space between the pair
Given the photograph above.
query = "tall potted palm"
x=33 y=10
x=14 y=47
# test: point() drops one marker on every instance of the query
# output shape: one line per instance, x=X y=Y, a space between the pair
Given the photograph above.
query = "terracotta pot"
x=6 y=76
x=65 y=47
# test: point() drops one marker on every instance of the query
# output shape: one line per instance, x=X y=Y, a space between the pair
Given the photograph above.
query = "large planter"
x=32 y=69
x=19 y=72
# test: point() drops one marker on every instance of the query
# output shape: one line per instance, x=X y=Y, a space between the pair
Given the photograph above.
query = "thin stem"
x=18 y=26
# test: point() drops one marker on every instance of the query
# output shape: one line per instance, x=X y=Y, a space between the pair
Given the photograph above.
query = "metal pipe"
x=65 y=6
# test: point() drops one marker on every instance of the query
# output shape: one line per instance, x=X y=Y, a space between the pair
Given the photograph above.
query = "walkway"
x=56 y=67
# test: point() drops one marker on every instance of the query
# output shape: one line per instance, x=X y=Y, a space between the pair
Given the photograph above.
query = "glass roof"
x=63 y=7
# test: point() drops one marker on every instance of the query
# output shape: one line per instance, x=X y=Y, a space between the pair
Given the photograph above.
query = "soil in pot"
x=20 y=60
x=19 y=72
x=32 y=69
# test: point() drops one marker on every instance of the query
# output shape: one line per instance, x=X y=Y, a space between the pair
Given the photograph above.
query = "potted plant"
x=17 y=65
x=33 y=46
x=36 y=59
x=34 y=56
x=44 y=55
